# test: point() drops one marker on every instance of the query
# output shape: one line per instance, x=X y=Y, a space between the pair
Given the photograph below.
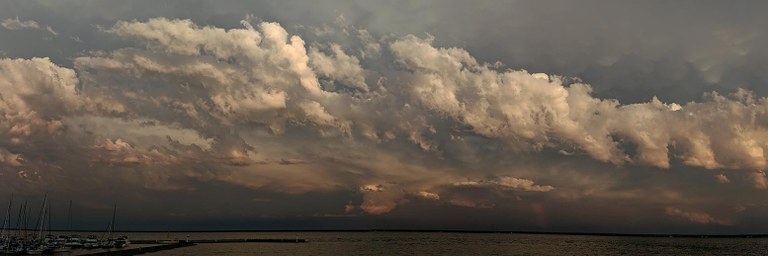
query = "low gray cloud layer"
x=382 y=120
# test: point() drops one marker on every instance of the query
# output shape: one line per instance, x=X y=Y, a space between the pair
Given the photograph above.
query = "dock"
x=141 y=250
x=161 y=245
x=234 y=240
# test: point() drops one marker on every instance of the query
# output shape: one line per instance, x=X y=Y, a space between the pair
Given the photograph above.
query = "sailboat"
x=91 y=242
x=71 y=240
x=60 y=241
x=5 y=238
x=44 y=244
x=39 y=245
x=54 y=244
x=16 y=243
x=109 y=242
x=121 y=241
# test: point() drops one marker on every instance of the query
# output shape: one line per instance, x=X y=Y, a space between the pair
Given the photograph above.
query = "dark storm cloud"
x=335 y=110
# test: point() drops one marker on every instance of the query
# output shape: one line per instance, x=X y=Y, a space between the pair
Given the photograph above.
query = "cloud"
x=50 y=30
x=380 y=201
x=9 y=158
x=759 y=179
x=290 y=161
x=145 y=132
x=529 y=112
x=16 y=24
x=36 y=95
x=372 y=188
x=340 y=67
x=247 y=75
x=429 y=195
x=722 y=178
x=507 y=183
x=696 y=216
x=535 y=111
x=180 y=106
x=349 y=208
x=120 y=152
x=185 y=38
x=522 y=184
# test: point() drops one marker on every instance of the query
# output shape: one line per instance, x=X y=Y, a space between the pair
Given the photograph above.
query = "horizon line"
x=523 y=232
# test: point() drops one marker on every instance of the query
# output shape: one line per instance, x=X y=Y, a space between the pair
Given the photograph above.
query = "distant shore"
x=437 y=231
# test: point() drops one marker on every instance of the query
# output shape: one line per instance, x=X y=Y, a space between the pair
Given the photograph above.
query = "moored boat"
x=91 y=242
x=74 y=242
x=122 y=242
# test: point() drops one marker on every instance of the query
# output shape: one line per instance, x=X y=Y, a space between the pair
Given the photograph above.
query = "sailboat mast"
x=23 y=216
x=112 y=223
x=7 y=220
x=18 y=219
x=8 y=225
x=49 y=218
x=69 y=218
x=42 y=217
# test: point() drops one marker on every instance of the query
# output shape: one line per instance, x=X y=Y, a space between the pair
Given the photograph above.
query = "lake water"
x=415 y=243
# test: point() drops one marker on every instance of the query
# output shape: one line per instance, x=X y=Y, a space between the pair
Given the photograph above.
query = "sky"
x=588 y=116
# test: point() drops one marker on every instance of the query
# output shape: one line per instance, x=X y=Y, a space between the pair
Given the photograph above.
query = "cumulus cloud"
x=50 y=30
x=292 y=161
x=507 y=183
x=36 y=95
x=759 y=179
x=429 y=195
x=17 y=24
x=722 y=178
x=526 y=111
x=377 y=205
x=246 y=75
x=257 y=107
x=535 y=111
x=696 y=216
x=340 y=67
x=9 y=158
x=372 y=188
x=379 y=201
x=120 y=152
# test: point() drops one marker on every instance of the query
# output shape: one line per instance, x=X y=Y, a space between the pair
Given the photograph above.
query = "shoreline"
x=611 y=234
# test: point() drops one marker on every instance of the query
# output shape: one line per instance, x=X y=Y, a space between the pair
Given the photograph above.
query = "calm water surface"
x=408 y=243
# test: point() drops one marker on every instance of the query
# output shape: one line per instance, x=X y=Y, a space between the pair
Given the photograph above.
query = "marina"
x=19 y=239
